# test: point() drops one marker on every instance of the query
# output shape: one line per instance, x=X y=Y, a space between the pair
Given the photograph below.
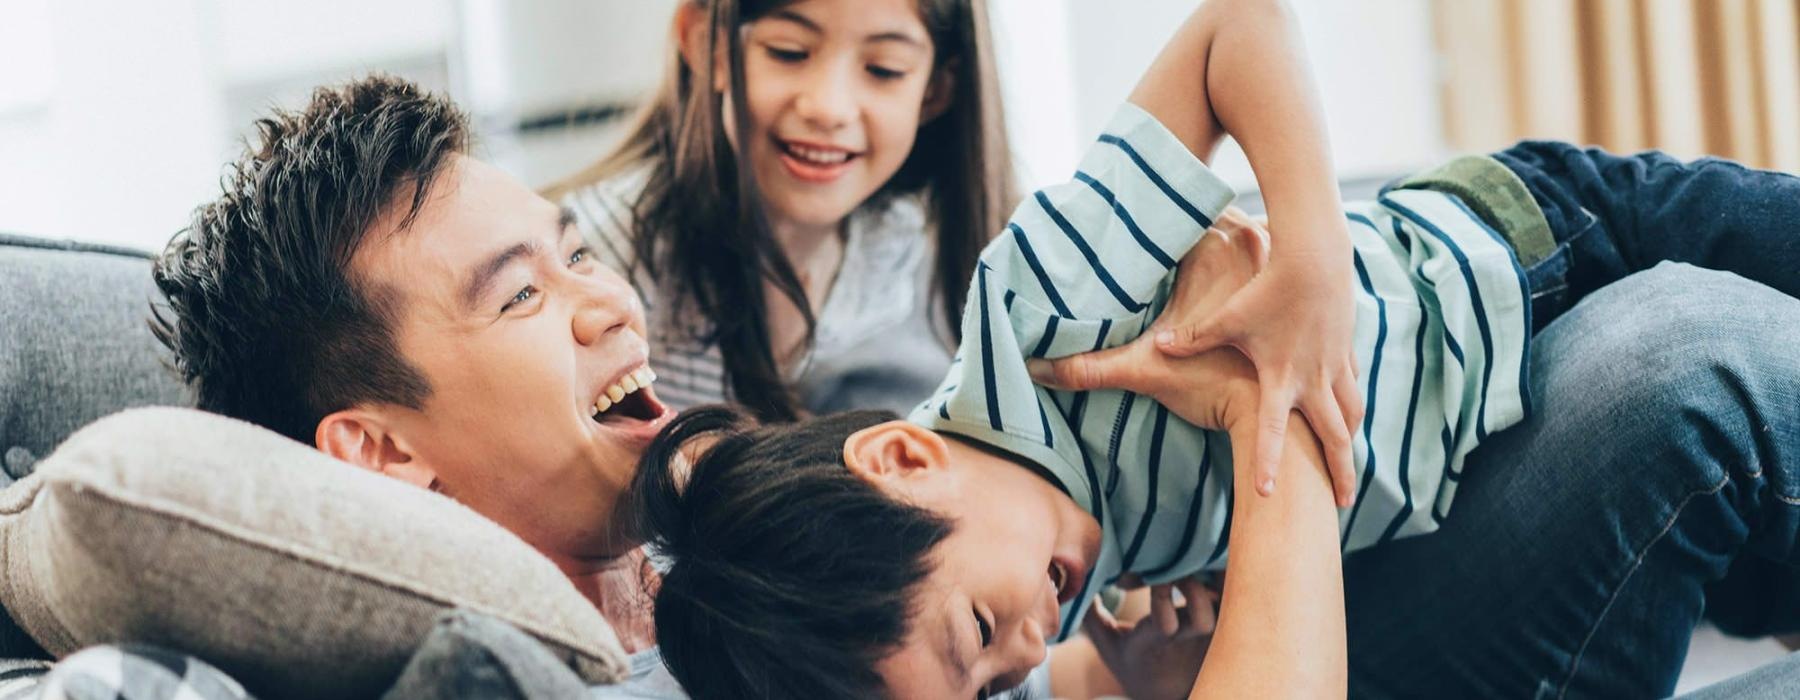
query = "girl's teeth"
x=629 y=384
x=615 y=392
x=644 y=376
x=603 y=404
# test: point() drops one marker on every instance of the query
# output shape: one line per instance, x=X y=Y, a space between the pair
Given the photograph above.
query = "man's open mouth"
x=629 y=398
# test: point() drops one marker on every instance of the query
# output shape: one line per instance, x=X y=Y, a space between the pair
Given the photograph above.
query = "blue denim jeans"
x=1664 y=447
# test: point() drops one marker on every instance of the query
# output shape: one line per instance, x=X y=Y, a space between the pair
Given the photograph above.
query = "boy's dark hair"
x=791 y=575
x=264 y=317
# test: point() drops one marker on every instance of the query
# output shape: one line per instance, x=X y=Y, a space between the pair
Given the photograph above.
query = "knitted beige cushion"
x=294 y=572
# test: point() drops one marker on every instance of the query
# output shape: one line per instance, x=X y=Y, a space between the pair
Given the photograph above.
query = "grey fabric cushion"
x=299 y=575
x=76 y=345
x=470 y=655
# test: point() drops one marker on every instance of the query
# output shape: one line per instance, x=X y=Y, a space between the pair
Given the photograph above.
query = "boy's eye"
x=786 y=55
x=523 y=296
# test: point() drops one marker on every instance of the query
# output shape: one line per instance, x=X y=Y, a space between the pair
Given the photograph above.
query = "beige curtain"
x=1692 y=77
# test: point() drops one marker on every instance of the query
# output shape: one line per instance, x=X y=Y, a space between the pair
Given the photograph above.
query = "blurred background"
x=116 y=115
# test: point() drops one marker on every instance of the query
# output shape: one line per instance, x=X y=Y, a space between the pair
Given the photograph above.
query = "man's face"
x=519 y=333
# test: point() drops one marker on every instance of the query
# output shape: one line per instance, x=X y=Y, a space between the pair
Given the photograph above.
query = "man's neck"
x=624 y=590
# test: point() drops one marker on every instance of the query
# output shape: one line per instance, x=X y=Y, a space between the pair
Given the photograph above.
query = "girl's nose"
x=827 y=102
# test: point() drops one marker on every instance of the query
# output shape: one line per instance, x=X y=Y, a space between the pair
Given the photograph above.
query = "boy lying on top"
x=853 y=553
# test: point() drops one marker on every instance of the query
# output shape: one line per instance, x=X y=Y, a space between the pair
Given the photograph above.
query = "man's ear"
x=895 y=453
x=363 y=438
x=693 y=28
x=939 y=93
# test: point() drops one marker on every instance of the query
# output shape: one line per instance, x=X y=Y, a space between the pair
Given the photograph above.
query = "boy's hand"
x=1160 y=655
x=1215 y=390
x=1295 y=322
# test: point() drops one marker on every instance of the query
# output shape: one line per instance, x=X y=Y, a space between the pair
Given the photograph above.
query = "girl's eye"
x=787 y=55
x=523 y=296
x=987 y=632
x=886 y=74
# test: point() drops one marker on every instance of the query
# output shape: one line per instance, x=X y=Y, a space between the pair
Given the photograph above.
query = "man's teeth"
x=818 y=155
x=630 y=383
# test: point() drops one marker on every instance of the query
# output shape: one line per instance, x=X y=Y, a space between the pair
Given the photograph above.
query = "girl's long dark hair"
x=701 y=231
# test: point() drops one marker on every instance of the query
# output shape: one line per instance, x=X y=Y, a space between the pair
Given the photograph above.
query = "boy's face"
x=1020 y=547
x=518 y=331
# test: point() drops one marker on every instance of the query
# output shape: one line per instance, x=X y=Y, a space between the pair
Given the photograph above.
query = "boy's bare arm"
x=1239 y=67
x=1281 y=620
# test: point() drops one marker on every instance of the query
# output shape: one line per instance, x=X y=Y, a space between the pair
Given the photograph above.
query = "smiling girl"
x=802 y=203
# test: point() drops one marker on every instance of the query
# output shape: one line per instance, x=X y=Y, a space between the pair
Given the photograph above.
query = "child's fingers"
x=1195 y=338
x=1200 y=617
x=1162 y=609
x=1272 y=417
x=1112 y=368
x=1105 y=632
x=1327 y=422
x=1349 y=395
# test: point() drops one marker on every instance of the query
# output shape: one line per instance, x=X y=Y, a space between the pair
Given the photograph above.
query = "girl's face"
x=837 y=90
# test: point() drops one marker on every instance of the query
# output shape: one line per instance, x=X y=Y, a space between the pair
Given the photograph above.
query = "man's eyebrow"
x=482 y=278
x=814 y=27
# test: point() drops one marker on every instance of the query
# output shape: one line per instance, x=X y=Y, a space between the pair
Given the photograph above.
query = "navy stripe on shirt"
x=1037 y=268
x=1161 y=184
x=1193 y=519
x=1476 y=307
x=1093 y=259
x=1143 y=528
x=1369 y=406
x=1412 y=413
x=1149 y=246
x=987 y=350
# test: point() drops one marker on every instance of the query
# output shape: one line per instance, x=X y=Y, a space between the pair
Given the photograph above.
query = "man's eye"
x=523 y=296
x=786 y=55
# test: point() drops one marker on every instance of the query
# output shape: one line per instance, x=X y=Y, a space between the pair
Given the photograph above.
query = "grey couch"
x=74 y=346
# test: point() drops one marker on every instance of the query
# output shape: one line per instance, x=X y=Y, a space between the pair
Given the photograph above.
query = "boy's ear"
x=693 y=25
x=895 y=452
x=939 y=93
x=364 y=438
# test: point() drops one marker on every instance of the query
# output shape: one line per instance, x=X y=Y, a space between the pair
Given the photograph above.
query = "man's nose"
x=603 y=310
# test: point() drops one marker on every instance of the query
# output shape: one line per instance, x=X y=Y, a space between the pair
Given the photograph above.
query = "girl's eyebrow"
x=811 y=26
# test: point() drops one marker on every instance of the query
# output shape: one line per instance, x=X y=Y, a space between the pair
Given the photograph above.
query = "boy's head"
x=365 y=286
x=852 y=555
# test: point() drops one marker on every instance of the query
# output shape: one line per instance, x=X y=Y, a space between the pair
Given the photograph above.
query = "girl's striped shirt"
x=1442 y=324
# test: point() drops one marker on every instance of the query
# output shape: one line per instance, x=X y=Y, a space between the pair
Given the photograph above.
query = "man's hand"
x=1295 y=322
x=1160 y=655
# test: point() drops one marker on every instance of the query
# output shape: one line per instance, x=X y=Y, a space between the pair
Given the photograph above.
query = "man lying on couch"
x=364 y=286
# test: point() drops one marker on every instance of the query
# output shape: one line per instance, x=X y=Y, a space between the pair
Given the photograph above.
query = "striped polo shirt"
x=1441 y=331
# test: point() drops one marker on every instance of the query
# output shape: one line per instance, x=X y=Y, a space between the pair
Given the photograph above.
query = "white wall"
x=126 y=138
x=118 y=114
x=1066 y=65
